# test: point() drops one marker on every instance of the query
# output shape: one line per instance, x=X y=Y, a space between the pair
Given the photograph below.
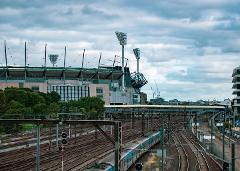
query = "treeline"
x=23 y=103
x=19 y=103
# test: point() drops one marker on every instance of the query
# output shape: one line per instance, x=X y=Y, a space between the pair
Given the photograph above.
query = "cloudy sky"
x=188 y=48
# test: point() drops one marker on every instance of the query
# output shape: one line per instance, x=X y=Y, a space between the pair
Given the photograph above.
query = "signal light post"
x=64 y=142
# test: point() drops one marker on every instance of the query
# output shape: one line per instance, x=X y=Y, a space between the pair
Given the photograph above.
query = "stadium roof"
x=18 y=73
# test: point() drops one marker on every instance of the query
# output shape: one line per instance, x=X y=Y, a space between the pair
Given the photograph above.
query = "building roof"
x=18 y=73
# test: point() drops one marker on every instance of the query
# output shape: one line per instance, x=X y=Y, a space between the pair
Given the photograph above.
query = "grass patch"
x=27 y=127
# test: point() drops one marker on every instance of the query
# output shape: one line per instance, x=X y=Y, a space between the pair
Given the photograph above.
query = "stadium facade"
x=74 y=83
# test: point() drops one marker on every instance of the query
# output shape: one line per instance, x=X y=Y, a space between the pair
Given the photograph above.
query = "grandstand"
x=74 y=83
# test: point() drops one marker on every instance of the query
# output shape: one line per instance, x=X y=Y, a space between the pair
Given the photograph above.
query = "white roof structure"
x=165 y=106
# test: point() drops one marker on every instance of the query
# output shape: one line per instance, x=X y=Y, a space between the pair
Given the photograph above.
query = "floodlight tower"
x=53 y=58
x=122 y=38
x=136 y=52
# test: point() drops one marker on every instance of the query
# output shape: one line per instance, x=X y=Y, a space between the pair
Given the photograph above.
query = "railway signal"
x=64 y=141
x=64 y=138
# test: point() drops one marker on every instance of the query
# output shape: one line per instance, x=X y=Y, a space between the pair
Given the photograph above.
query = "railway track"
x=183 y=164
x=213 y=165
x=196 y=155
x=75 y=155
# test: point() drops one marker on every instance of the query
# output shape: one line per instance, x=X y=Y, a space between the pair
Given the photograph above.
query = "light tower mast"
x=122 y=38
x=136 y=52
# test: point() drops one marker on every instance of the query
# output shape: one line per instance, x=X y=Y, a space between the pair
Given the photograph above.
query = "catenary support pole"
x=38 y=148
x=162 y=143
x=118 y=143
x=223 y=137
x=143 y=125
x=197 y=125
x=211 y=135
x=168 y=126
x=233 y=157
x=75 y=134
x=229 y=128
x=57 y=135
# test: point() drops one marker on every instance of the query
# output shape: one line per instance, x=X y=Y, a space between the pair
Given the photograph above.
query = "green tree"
x=33 y=98
x=40 y=110
x=93 y=106
x=24 y=96
x=14 y=107
x=14 y=110
x=2 y=103
x=53 y=97
x=54 y=108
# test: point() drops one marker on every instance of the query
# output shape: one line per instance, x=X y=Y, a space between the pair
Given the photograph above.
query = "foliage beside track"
x=23 y=103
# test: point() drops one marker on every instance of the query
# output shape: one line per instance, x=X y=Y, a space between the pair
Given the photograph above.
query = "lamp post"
x=122 y=38
x=136 y=52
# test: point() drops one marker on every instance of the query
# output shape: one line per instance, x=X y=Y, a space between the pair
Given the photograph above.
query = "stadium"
x=113 y=84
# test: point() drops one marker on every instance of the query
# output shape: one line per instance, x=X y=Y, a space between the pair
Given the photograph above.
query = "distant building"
x=157 y=101
x=225 y=102
x=236 y=91
x=74 y=83
x=201 y=102
x=174 y=102
x=143 y=98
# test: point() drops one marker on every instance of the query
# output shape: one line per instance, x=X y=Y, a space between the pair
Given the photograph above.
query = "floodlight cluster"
x=53 y=58
x=136 y=52
x=122 y=38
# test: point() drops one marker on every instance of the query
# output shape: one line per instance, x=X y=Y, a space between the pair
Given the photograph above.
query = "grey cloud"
x=197 y=76
x=166 y=42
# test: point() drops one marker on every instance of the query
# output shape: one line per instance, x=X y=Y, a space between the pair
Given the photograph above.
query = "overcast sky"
x=188 y=48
